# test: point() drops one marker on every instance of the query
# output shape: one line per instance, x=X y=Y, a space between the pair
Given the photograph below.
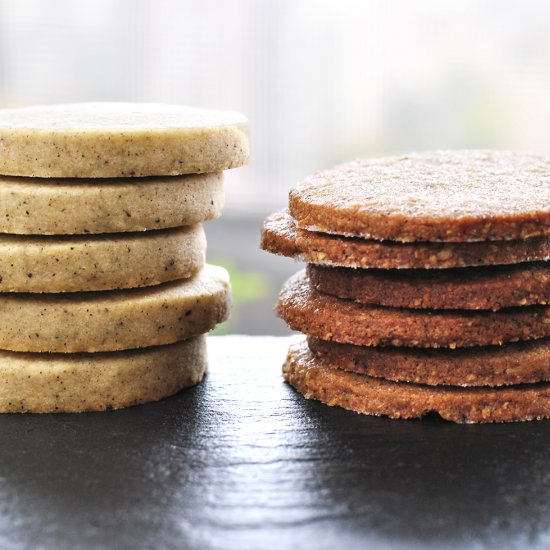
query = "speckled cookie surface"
x=450 y=196
x=115 y=320
x=329 y=318
x=100 y=262
x=106 y=140
x=73 y=207
x=280 y=235
x=375 y=396
x=465 y=288
x=45 y=383
x=517 y=363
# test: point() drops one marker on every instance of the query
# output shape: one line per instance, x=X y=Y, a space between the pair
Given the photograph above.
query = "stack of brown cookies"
x=427 y=285
x=104 y=292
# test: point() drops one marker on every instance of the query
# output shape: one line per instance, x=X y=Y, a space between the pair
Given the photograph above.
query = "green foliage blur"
x=247 y=287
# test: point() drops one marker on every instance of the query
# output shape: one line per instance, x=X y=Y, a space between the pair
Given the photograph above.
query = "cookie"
x=115 y=320
x=448 y=196
x=280 y=235
x=99 y=262
x=375 y=396
x=518 y=363
x=112 y=140
x=30 y=206
x=465 y=288
x=47 y=382
x=326 y=317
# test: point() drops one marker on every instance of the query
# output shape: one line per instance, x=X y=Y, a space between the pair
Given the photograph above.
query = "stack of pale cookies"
x=427 y=285
x=104 y=292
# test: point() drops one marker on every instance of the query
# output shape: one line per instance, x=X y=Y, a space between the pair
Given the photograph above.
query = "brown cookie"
x=518 y=363
x=466 y=288
x=280 y=235
x=375 y=396
x=449 y=196
x=330 y=318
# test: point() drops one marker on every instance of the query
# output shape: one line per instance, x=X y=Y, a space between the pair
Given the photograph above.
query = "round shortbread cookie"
x=375 y=396
x=280 y=235
x=112 y=140
x=449 y=196
x=100 y=262
x=73 y=207
x=464 y=288
x=115 y=320
x=48 y=382
x=329 y=318
x=518 y=363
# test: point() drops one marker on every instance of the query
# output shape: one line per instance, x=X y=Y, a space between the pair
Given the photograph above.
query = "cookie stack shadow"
x=105 y=296
x=426 y=288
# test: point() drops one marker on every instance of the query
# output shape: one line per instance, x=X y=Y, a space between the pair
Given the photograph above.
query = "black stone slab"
x=243 y=461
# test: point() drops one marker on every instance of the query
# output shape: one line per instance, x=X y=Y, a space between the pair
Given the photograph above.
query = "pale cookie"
x=74 y=207
x=326 y=317
x=518 y=363
x=47 y=382
x=449 y=196
x=376 y=396
x=100 y=262
x=492 y=287
x=115 y=320
x=111 y=140
x=280 y=235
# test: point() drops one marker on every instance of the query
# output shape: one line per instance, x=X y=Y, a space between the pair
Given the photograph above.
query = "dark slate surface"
x=242 y=461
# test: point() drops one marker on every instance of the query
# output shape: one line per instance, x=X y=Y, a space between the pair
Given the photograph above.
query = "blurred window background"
x=321 y=81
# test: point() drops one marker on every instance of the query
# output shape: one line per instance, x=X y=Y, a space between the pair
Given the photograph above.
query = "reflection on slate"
x=243 y=461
